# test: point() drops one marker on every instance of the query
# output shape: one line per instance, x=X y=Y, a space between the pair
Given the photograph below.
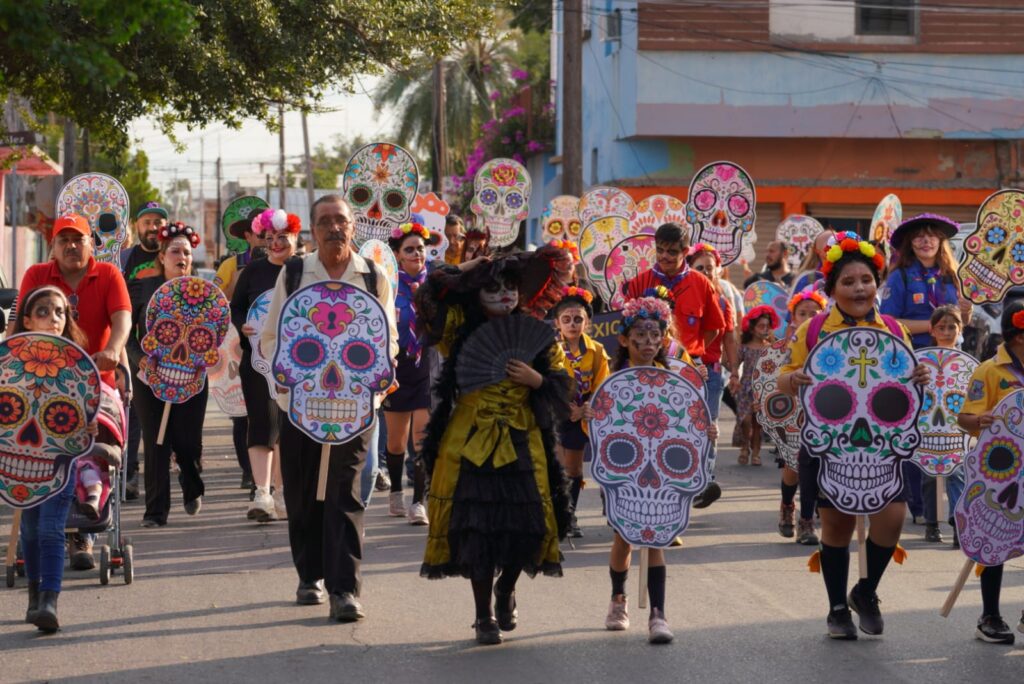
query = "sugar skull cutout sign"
x=432 y=212
x=225 y=382
x=379 y=253
x=862 y=412
x=186 y=322
x=49 y=393
x=561 y=219
x=651 y=452
x=501 y=199
x=990 y=514
x=655 y=210
x=764 y=292
x=943 y=443
x=779 y=414
x=721 y=208
x=380 y=184
x=627 y=259
x=887 y=218
x=798 y=231
x=995 y=250
x=332 y=355
x=605 y=215
x=238 y=209
x=103 y=202
x=256 y=319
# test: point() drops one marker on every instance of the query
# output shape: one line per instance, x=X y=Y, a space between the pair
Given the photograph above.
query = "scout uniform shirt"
x=992 y=380
x=835 y=321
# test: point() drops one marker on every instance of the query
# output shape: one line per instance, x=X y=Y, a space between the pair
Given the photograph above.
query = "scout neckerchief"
x=670 y=283
x=931 y=281
x=576 y=363
x=851 y=321
x=407 y=286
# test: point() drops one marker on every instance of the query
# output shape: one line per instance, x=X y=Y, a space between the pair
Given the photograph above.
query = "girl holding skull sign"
x=852 y=269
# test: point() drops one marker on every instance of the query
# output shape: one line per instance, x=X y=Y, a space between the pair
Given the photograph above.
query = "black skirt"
x=413 y=391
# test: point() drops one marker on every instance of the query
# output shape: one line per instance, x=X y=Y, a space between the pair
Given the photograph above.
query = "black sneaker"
x=993 y=629
x=710 y=495
x=932 y=534
x=866 y=607
x=840 y=625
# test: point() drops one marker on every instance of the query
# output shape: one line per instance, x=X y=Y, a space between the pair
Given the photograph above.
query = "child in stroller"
x=92 y=486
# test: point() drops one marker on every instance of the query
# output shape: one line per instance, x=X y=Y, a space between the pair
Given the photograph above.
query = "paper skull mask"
x=995 y=250
x=501 y=199
x=990 y=514
x=943 y=443
x=651 y=450
x=49 y=393
x=721 y=208
x=380 y=184
x=332 y=355
x=861 y=415
x=103 y=202
x=778 y=413
x=186 y=322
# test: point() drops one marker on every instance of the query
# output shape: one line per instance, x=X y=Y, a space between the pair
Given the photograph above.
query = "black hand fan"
x=488 y=350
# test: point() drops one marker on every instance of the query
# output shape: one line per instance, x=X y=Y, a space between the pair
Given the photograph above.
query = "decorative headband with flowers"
x=651 y=308
x=275 y=220
x=846 y=242
x=705 y=248
x=411 y=228
x=179 y=229
x=804 y=295
x=568 y=246
x=574 y=291
x=759 y=312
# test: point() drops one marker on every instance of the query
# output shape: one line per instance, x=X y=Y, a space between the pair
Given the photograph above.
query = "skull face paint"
x=798 y=231
x=379 y=185
x=943 y=443
x=995 y=250
x=186 y=322
x=332 y=355
x=651 y=452
x=561 y=219
x=721 y=208
x=103 y=202
x=779 y=414
x=499 y=299
x=501 y=199
x=49 y=393
x=990 y=514
x=862 y=412
x=225 y=382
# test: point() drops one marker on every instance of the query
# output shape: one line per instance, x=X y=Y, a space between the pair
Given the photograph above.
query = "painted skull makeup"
x=103 y=202
x=499 y=299
x=721 y=208
x=380 y=184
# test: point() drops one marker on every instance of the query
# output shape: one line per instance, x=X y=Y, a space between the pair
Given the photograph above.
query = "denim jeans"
x=954 y=488
x=369 y=474
x=715 y=386
x=42 y=536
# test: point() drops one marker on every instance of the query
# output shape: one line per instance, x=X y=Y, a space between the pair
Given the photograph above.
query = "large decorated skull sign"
x=239 y=208
x=186 y=322
x=501 y=199
x=887 y=218
x=767 y=293
x=560 y=220
x=256 y=318
x=103 y=202
x=943 y=443
x=720 y=208
x=380 y=184
x=605 y=215
x=332 y=355
x=798 y=231
x=629 y=258
x=225 y=382
x=861 y=412
x=990 y=514
x=778 y=413
x=995 y=250
x=651 y=452
x=49 y=393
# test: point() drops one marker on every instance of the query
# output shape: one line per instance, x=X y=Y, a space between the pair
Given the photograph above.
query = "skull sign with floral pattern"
x=995 y=250
x=943 y=443
x=91 y=195
x=332 y=355
x=256 y=319
x=186 y=322
x=798 y=231
x=721 y=208
x=990 y=514
x=225 y=382
x=501 y=199
x=767 y=293
x=629 y=258
x=605 y=215
x=561 y=219
x=49 y=393
x=651 y=452
x=861 y=416
x=380 y=184
x=778 y=413
x=887 y=218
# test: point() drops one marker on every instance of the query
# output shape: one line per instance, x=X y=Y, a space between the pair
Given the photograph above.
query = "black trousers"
x=183 y=438
x=326 y=537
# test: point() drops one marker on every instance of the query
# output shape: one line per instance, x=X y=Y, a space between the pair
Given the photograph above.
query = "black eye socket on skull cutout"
x=360 y=195
x=890 y=405
x=833 y=403
x=307 y=352
x=621 y=453
x=677 y=457
x=999 y=459
x=779 y=405
x=394 y=199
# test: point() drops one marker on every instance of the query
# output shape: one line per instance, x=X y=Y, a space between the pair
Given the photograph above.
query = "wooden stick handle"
x=940 y=499
x=954 y=593
x=12 y=545
x=163 y=423
x=325 y=463
x=862 y=547
x=644 y=564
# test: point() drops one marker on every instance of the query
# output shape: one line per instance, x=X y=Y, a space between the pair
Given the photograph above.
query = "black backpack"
x=293 y=276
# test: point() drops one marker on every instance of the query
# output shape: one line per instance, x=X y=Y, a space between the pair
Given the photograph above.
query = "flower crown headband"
x=705 y=248
x=411 y=229
x=651 y=308
x=808 y=294
x=574 y=291
x=568 y=246
x=845 y=242
x=759 y=312
x=270 y=220
x=179 y=229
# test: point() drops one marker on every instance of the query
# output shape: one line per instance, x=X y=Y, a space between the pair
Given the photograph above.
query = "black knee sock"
x=395 y=463
x=878 y=560
x=656 y=586
x=575 y=485
x=991 y=583
x=808 y=491
x=506 y=583
x=618 y=581
x=419 y=480
x=482 y=597
x=788 y=493
x=835 y=570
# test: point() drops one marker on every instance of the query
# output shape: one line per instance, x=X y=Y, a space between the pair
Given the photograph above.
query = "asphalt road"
x=213 y=600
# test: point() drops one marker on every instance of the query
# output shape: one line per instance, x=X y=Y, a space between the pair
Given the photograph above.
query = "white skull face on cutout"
x=501 y=199
x=103 y=202
x=943 y=443
x=861 y=414
x=225 y=382
x=561 y=219
x=721 y=208
x=798 y=231
x=380 y=184
x=995 y=250
x=779 y=414
x=651 y=452
x=332 y=355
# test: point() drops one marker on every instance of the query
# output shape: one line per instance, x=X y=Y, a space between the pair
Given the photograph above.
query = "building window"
x=886 y=17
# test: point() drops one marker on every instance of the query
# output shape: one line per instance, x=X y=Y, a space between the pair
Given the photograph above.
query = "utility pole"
x=310 y=183
x=217 y=230
x=280 y=168
x=202 y=182
x=86 y=159
x=69 y=149
x=572 y=97
x=440 y=169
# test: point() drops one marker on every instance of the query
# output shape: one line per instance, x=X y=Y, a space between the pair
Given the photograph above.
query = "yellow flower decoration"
x=867 y=249
x=834 y=254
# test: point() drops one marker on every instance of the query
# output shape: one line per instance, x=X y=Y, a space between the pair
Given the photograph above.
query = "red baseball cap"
x=71 y=222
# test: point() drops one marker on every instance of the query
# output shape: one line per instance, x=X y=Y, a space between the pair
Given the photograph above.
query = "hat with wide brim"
x=945 y=225
x=242 y=226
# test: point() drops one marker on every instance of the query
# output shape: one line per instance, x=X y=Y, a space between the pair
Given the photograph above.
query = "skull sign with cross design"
x=605 y=214
x=861 y=416
x=995 y=250
x=943 y=443
x=380 y=184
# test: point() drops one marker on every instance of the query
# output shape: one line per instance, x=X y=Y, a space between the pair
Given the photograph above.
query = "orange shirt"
x=695 y=308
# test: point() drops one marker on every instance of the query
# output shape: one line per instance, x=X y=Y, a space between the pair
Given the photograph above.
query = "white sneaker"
x=262 y=507
x=418 y=515
x=280 y=510
x=657 y=628
x=396 y=505
x=617 y=619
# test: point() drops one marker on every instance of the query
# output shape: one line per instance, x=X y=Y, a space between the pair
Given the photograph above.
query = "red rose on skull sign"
x=601 y=405
x=652 y=378
x=650 y=421
x=698 y=415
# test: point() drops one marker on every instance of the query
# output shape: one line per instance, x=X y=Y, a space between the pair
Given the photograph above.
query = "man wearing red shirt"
x=99 y=304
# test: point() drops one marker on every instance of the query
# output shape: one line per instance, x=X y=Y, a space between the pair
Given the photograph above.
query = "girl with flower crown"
x=757 y=335
x=588 y=364
x=852 y=271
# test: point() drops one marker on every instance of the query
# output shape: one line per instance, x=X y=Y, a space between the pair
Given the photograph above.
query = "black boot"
x=46 y=616
x=33 y=601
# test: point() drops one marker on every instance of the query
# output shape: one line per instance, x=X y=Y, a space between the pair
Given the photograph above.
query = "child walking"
x=757 y=334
